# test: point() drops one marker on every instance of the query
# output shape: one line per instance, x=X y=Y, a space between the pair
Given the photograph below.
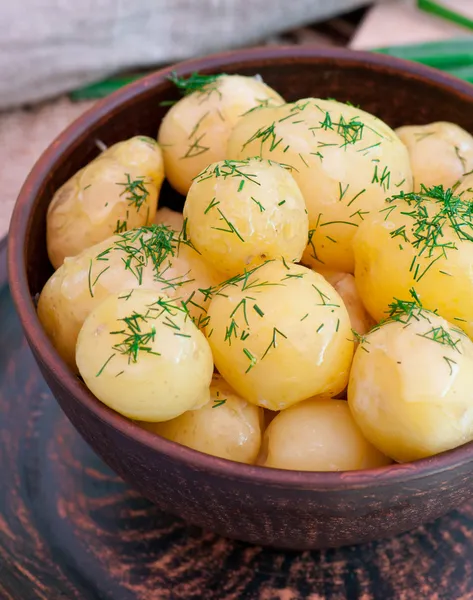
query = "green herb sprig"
x=434 y=211
x=136 y=190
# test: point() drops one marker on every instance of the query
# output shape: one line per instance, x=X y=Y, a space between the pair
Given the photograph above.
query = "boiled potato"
x=227 y=426
x=318 y=435
x=345 y=285
x=280 y=334
x=422 y=240
x=140 y=354
x=115 y=192
x=440 y=153
x=170 y=218
x=240 y=213
x=344 y=160
x=195 y=131
x=149 y=257
x=411 y=385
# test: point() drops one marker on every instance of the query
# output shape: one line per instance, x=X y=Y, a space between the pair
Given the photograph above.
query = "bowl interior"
x=397 y=92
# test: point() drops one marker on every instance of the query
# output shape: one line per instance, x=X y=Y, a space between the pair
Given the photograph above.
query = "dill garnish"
x=212 y=203
x=219 y=402
x=310 y=240
x=152 y=246
x=251 y=358
x=434 y=211
x=273 y=343
x=460 y=158
x=196 y=148
x=121 y=226
x=441 y=336
x=342 y=191
x=258 y=310
x=136 y=190
x=194 y=83
x=104 y=365
x=361 y=339
x=384 y=179
x=135 y=338
x=356 y=196
x=407 y=311
x=351 y=131
x=449 y=362
x=258 y=204
x=265 y=134
x=139 y=331
x=231 y=227
x=324 y=299
x=229 y=168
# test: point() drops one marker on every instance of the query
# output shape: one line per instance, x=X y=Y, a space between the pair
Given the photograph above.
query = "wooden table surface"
x=70 y=529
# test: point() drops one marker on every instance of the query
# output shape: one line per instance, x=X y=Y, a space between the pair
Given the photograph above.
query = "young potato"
x=345 y=284
x=318 y=435
x=440 y=153
x=227 y=426
x=195 y=131
x=140 y=354
x=280 y=334
x=149 y=257
x=344 y=160
x=240 y=213
x=170 y=218
x=115 y=192
x=411 y=385
x=423 y=240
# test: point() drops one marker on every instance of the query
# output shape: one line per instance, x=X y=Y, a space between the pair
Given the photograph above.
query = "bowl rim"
x=73 y=136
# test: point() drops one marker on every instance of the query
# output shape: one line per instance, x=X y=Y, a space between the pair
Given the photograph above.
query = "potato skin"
x=343 y=171
x=410 y=390
x=140 y=354
x=241 y=213
x=115 y=192
x=391 y=258
x=227 y=426
x=440 y=153
x=280 y=334
x=170 y=218
x=84 y=281
x=345 y=285
x=195 y=131
x=318 y=435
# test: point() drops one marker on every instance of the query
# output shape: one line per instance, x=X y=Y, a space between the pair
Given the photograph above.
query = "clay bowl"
x=272 y=507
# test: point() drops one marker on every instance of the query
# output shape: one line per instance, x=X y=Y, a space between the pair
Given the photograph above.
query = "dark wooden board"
x=71 y=529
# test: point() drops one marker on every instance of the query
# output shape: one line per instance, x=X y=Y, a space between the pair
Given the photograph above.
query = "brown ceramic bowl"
x=286 y=509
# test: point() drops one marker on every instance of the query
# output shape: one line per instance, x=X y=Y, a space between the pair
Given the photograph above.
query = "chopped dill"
x=136 y=191
x=273 y=343
x=433 y=211
x=194 y=83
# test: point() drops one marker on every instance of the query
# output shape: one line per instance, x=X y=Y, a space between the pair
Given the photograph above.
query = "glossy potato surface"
x=280 y=334
x=115 y=192
x=140 y=353
x=411 y=386
x=423 y=241
x=440 y=153
x=318 y=435
x=195 y=131
x=149 y=257
x=345 y=161
x=227 y=426
x=241 y=213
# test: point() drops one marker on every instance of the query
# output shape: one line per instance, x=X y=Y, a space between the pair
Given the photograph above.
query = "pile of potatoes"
x=310 y=309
